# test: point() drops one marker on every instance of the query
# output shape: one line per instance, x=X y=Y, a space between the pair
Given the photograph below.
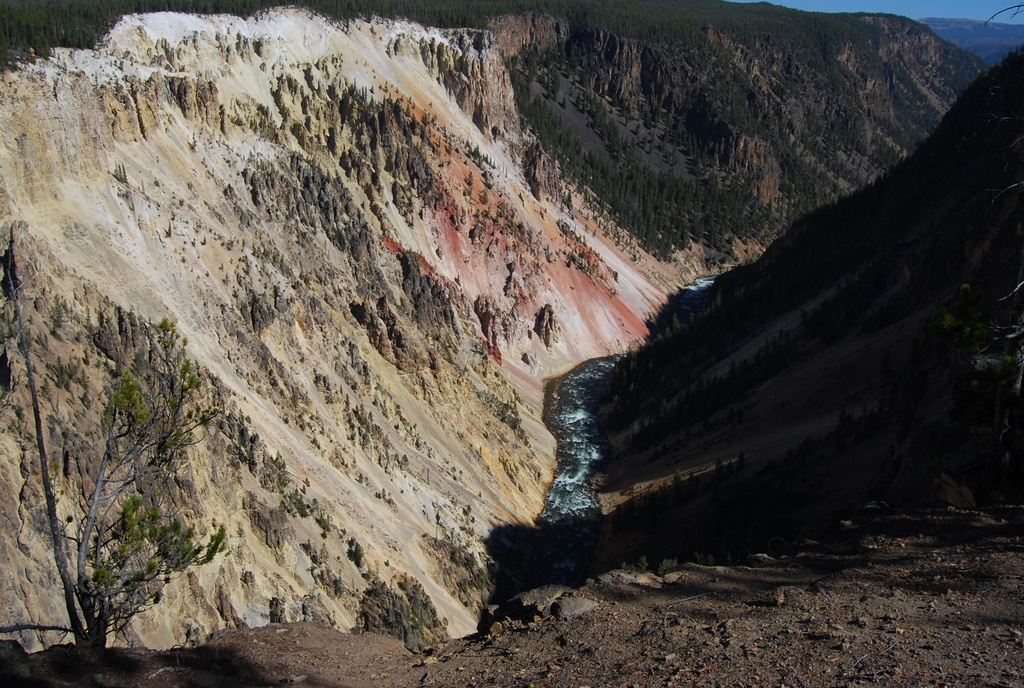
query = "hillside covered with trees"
x=694 y=123
x=872 y=354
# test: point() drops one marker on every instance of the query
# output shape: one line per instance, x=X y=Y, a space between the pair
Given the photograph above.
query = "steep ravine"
x=843 y=367
x=376 y=267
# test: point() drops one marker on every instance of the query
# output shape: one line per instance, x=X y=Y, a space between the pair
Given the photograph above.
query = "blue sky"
x=915 y=9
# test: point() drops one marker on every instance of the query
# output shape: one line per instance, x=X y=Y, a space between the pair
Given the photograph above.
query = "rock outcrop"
x=546 y=326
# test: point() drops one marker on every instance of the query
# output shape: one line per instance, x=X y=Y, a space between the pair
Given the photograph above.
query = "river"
x=570 y=524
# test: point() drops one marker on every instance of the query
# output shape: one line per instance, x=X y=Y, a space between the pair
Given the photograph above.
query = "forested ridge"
x=80 y=23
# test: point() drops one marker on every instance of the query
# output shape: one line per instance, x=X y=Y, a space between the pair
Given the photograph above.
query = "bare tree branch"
x=18 y=628
x=1013 y=9
x=60 y=552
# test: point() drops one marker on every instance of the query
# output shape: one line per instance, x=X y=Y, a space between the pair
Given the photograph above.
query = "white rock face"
x=338 y=219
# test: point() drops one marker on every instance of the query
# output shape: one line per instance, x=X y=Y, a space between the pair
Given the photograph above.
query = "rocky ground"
x=929 y=598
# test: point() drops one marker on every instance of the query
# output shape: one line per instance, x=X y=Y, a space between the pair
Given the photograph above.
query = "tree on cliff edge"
x=124 y=539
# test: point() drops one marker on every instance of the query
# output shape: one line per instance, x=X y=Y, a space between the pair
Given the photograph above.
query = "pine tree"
x=126 y=539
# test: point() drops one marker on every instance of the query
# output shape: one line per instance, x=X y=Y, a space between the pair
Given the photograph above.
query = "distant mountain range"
x=988 y=40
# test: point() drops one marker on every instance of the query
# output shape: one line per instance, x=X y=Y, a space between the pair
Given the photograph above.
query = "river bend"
x=569 y=525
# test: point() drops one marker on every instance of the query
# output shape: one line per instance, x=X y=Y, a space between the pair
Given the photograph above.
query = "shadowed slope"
x=817 y=380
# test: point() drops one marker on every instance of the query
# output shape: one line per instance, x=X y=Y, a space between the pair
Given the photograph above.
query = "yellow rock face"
x=319 y=208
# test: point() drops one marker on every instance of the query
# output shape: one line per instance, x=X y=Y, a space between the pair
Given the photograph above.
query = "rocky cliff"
x=741 y=118
x=345 y=222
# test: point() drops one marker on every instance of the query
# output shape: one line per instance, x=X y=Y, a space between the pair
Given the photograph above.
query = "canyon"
x=377 y=266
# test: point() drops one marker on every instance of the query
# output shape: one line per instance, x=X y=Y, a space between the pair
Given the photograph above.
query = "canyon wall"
x=375 y=268
x=738 y=118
